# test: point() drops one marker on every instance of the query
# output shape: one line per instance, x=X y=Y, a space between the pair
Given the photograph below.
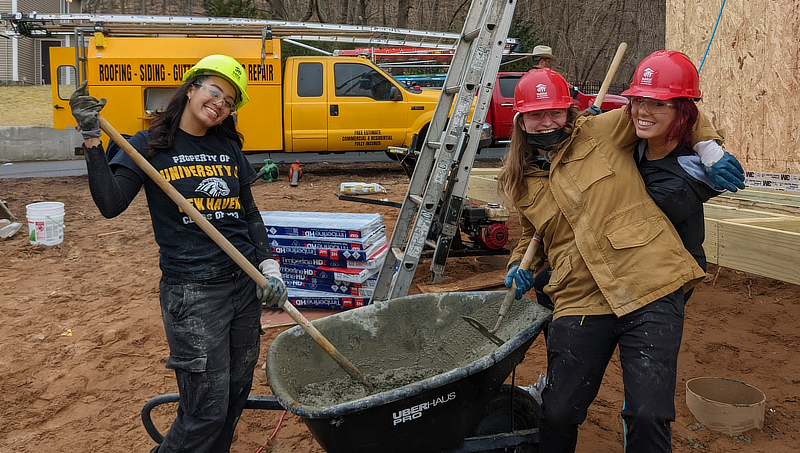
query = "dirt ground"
x=83 y=345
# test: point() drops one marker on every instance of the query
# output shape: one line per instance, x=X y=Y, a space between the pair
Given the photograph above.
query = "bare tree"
x=277 y=10
x=344 y=6
x=403 y=9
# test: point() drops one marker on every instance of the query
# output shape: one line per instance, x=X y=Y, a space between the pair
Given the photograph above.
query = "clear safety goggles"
x=653 y=106
x=219 y=98
x=554 y=114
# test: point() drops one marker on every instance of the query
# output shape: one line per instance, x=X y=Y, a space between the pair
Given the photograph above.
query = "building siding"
x=29 y=50
x=5 y=48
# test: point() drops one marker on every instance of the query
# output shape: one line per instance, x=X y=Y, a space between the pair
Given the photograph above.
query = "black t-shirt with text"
x=209 y=172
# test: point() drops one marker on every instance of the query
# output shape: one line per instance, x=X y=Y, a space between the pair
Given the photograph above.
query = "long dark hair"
x=164 y=125
x=680 y=129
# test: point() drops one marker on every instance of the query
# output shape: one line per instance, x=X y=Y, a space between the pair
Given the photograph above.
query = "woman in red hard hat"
x=618 y=266
x=662 y=108
x=210 y=308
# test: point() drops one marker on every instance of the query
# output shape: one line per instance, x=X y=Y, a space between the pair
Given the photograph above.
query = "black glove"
x=85 y=109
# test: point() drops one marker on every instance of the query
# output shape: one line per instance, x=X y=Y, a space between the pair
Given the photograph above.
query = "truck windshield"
x=356 y=79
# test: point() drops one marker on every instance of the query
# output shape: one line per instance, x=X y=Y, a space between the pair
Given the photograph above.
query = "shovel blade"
x=9 y=230
x=483 y=330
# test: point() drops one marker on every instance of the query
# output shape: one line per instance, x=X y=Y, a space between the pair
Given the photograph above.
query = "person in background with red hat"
x=210 y=307
x=619 y=266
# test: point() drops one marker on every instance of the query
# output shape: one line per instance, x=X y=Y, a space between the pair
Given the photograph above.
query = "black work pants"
x=578 y=351
x=213 y=331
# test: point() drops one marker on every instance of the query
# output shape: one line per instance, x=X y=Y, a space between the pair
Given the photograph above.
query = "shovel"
x=509 y=299
x=229 y=249
x=13 y=226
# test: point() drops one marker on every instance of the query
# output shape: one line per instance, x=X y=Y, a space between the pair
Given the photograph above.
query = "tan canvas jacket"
x=611 y=248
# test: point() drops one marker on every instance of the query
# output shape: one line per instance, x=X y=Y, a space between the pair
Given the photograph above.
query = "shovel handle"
x=598 y=101
x=527 y=259
x=227 y=247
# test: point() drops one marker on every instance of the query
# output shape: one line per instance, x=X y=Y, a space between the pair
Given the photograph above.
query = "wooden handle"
x=527 y=259
x=227 y=247
x=598 y=101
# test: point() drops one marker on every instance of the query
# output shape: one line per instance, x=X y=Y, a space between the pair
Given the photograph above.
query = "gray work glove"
x=274 y=292
x=594 y=110
x=85 y=109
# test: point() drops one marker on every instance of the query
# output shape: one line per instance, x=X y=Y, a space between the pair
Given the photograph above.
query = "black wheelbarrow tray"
x=439 y=381
x=435 y=375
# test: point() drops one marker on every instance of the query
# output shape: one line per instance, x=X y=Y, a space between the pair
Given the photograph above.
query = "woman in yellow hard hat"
x=211 y=309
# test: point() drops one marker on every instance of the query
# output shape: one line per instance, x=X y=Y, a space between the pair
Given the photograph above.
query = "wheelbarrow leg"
x=253 y=402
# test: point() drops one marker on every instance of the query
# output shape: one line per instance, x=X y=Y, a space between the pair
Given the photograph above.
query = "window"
x=66 y=81
x=507 y=85
x=309 y=79
x=353 y=79
x=156 y=99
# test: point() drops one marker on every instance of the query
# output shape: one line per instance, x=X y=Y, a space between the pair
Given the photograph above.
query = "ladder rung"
x=452 y=89
x=434 y=145
x=469 y=36
x=398 y=254
x=416 y=199
x=430 y=244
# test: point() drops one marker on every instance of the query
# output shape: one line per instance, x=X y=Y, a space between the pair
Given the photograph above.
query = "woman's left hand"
x=274 y=291
x=727 y=173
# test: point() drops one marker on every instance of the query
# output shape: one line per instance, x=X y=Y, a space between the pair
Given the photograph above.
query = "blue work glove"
x=85 y=109
x=726 y=173
x=274 y=291
x=594 y=110
x=522 y=277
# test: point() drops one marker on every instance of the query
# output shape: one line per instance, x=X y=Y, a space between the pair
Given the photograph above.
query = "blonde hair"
x=510 y=181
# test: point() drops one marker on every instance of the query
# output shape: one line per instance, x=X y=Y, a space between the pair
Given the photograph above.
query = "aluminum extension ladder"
x=436 y=191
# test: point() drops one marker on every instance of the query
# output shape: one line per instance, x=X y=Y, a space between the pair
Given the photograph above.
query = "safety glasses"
x=219 y=98
x=653 y=106
x=553 y=114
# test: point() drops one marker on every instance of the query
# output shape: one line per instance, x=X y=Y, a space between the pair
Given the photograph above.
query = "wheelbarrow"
x=437 y=381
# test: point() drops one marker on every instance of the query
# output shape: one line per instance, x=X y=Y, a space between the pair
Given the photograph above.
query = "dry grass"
x=26 y=106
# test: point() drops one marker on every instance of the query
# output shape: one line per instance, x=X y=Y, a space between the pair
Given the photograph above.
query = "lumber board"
x=491 y=172
x=711 y=242
x=721 y=212
x=759 y=250
x=487 y=280
x=772 y=207
x=789 y=224
x=484 y=188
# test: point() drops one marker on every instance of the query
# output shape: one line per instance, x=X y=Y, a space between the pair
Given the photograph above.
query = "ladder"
x=435 y=193
x=37 y=25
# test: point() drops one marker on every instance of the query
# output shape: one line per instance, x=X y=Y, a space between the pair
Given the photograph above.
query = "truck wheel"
x=524 y=413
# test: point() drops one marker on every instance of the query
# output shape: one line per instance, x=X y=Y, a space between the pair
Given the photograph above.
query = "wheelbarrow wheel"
x=506 y=413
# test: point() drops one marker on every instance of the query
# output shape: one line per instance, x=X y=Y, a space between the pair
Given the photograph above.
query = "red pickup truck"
x=501 y=113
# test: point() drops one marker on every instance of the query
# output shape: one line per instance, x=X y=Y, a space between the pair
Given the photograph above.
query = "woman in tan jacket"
x=619 y=266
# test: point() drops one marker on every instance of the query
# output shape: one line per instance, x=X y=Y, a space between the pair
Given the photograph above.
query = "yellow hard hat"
x=227 y=68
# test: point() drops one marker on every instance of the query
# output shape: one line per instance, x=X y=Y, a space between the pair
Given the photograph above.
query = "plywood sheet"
x=751 y=76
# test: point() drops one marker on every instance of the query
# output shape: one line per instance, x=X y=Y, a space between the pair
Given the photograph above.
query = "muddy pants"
x=578 y=351
x=213 y=334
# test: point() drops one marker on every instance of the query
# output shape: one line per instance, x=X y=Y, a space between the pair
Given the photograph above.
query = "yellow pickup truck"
x=312 y=104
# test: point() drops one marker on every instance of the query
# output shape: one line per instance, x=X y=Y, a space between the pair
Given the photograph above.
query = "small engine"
x=486 y=225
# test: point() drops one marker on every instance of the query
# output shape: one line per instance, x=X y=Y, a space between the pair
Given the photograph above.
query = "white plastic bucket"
x=45 y=222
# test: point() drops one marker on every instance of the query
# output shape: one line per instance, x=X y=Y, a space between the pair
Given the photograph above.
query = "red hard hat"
x=541 y=89
x=663 y=75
